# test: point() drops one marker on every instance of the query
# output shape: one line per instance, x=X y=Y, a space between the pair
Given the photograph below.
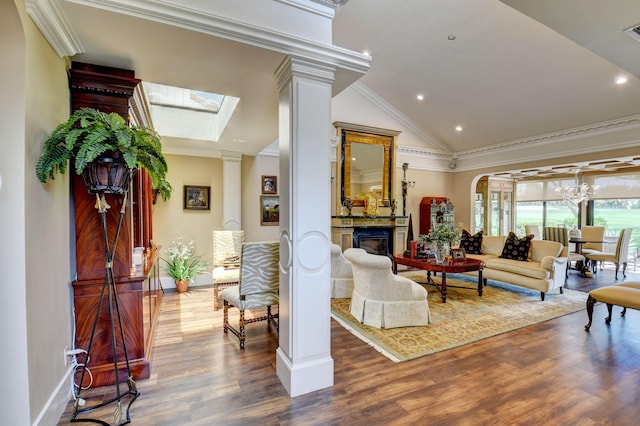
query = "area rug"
x=465 y=318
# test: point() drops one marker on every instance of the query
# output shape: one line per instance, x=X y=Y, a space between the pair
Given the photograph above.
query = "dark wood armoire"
x=139 y=290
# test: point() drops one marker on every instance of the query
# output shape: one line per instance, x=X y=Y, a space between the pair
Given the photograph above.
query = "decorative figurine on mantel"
x=348 y=204
x=393 y=206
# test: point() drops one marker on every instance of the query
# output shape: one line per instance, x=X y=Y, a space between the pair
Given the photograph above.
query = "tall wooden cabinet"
x=495 y=204
x=139 y=294
x=435 y=210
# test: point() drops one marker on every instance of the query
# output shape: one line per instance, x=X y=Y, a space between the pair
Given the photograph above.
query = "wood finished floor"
x=553 y=373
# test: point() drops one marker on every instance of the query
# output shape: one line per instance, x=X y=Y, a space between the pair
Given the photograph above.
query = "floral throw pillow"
x=472 y=244
x=517 y=248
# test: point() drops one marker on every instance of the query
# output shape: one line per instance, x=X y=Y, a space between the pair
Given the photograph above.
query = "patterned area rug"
x=465 y=318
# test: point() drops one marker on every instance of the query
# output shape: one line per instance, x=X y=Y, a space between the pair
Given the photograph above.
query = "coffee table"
x=448 y=266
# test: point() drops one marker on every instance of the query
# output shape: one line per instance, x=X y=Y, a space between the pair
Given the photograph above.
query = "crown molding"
x=324 y=8
x=195 y=20
x=562 y=136
x=51 y=22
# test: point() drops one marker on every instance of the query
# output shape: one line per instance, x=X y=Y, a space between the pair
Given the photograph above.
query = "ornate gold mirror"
x=366 y=163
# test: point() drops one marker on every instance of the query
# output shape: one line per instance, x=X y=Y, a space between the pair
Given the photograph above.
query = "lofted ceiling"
x=503 y=70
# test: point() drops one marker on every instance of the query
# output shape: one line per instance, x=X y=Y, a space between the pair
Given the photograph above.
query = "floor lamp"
x=108 y=176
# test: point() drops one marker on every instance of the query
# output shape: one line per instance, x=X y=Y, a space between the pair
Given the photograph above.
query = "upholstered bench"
x=625 y=294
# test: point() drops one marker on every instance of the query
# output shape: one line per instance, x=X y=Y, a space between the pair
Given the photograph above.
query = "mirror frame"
x=350 y=133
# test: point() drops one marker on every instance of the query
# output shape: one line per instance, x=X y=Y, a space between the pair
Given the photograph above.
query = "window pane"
x=528 y=213
x=559 y=213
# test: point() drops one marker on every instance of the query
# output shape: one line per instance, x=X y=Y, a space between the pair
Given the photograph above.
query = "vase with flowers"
x=183 y=263
x=440 y=237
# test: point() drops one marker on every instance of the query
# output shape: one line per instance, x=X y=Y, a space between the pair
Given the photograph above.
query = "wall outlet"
x=66 y=355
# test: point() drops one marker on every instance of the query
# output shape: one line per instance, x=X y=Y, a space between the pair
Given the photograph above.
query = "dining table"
x=583 y=267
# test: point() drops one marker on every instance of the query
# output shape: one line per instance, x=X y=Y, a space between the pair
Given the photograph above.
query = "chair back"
x=259 y=268
x=532 y=230
x=226 y=244
x=340 y=266
x=371 y=273
x=622 y=246
x=557 y=234
x=594 y=233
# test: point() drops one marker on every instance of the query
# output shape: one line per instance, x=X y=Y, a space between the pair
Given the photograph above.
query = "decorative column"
x=303 y=360
x=231 y=187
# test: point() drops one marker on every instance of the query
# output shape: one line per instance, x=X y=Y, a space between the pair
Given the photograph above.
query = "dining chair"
x=620 y=256
x=533 y=230
x=592 y=233
x=258 y=287
x=561 y=235
x=226 y=260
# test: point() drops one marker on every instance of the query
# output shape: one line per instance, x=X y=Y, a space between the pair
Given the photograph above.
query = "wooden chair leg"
x=242 y=335
x=225 y=322
x=590 y=302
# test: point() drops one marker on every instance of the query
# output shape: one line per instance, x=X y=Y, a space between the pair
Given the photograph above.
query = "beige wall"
x=170 y=218
x=252 y=170
x=36 y=229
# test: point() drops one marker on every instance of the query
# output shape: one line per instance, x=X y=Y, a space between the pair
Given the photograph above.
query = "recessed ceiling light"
x=451 y=37
x=353 y=158
x=621 y=80
x=458 y=128
x=420 y=97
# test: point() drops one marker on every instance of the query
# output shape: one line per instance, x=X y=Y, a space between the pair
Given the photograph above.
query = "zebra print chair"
x=258 y=287
x=226 y=247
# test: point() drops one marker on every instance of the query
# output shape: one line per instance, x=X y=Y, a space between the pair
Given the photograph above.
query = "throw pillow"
x=472 y=244
x=517 y=248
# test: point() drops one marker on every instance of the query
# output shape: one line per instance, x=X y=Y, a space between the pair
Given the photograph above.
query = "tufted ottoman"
x=626 y=294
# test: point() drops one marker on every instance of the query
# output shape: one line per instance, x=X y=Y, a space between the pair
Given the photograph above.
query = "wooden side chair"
x=258 y=287
x=620 y=256
x=226 y=261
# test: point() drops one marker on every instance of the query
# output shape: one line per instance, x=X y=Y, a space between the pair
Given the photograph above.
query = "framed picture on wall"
x=196 y=197
x=269 y=210
x=269 y=184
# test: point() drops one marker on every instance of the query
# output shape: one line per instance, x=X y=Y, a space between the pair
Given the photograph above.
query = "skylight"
x=189 y=114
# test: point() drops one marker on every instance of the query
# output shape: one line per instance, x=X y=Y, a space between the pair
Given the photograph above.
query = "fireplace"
x=376 y=240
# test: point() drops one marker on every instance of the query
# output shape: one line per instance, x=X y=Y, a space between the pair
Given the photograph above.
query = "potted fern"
x=100 y=143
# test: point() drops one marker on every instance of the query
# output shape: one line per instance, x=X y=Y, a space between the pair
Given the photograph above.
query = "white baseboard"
x=57 y=403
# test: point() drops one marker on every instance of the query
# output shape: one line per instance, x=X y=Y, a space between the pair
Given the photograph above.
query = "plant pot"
x=107 y=175
x=182 y=285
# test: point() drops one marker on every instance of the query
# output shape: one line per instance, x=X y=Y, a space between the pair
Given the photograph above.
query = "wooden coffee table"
x=448 y=266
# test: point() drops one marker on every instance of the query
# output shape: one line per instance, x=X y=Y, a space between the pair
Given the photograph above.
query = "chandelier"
x=577 y=193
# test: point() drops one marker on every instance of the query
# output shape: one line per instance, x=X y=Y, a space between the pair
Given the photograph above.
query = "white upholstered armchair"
x=227 y=246
x=382 y=299
x=341 y=274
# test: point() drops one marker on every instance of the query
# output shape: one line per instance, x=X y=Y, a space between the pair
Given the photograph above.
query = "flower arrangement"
x=183 y=263
x=440 y=234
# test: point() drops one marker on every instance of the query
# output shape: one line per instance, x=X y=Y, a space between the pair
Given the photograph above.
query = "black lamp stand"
x=121 y=413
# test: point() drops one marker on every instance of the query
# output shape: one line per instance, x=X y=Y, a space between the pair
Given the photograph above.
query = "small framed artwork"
x=458 y=254
x=269 y=184
x=269 y=210
x=196 y=197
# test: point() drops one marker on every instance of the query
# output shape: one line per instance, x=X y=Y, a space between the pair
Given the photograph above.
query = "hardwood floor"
x=553 y=373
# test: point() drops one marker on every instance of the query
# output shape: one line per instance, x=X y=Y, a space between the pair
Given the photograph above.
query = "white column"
x=231 y=184
x=303 y=360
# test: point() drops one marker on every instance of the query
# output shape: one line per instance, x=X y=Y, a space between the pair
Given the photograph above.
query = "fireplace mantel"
x=344 y=228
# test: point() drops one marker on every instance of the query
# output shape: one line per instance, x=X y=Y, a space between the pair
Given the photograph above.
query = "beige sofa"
x=544 y=272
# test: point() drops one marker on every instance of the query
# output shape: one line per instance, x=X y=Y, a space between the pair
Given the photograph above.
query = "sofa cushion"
x=493 y=244
x=543 y=248
x=517 y=248
x=517 y=267
x=472 y=244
